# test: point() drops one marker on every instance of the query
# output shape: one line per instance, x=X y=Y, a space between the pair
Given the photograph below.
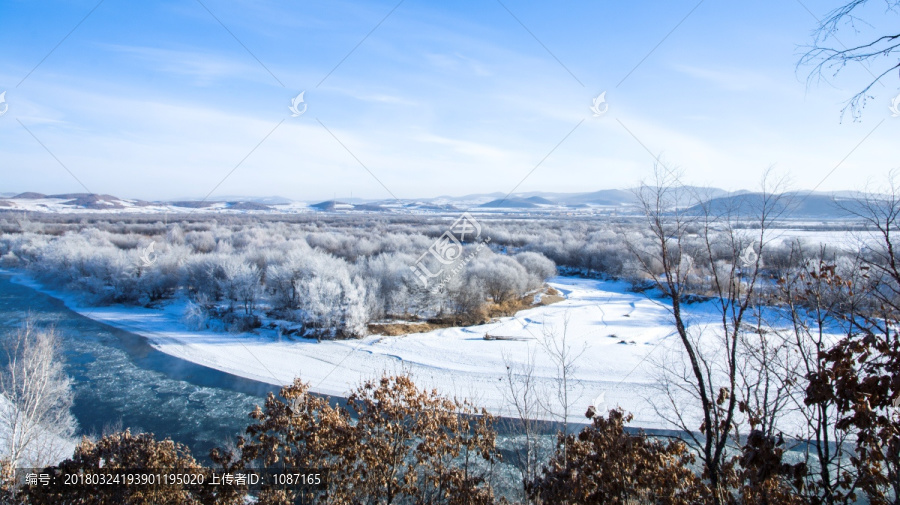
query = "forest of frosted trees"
x=322 y=276
x=327 y=280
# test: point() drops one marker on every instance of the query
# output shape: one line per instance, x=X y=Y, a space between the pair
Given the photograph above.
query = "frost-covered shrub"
x=283 y=278
x=503 y=277
x=126 y=241
x=161 y=280
x=202 y=275
x=317 y=289
x=196 y=315
x=390 y=284
x=175 y=235
x=9 y=260
x=240 y=284
x=538 y=266
x=224 y=247
x=468 y=295
x=202 y=242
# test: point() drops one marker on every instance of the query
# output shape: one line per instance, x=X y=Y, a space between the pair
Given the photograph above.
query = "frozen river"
x=123 y=382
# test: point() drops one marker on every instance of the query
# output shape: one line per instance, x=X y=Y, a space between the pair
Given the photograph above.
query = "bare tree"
x=814 y=295
x=37 y=394
x=861 y=380
x=767 y=374
x=522 y=394
x=567 y=390
x=829 y=54
x=725 y=243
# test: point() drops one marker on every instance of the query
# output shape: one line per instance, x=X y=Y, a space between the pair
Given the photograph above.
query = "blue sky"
x=158 y=100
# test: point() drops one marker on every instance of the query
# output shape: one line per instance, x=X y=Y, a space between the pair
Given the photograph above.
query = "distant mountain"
x=538 y=200
x=68 y=196
x=88 y=201
x=475 y=196
x=464 y=201
x=796 y=204
x=711 y=192
x=424 y=206
x=28 y=195
x=611 y=197
x=332 y=205
x=246 y=206
x=265 y=200
x=508 y=203
x=788 y=205
x=191 y=204
x=606 y=197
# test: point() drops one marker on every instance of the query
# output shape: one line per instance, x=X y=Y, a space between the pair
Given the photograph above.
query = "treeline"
x=328 y=276
x=323 y=281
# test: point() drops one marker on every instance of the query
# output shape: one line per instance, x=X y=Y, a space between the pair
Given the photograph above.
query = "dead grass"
x=487 y=313
x=404 y=328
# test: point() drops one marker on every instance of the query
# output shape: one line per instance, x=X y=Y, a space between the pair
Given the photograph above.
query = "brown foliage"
x=414 y=444
x=125 y=451
x=405 y=446
x=605 y=465
x=766 y=478
x=303 y=431
x=862 y=382
x=7 y=481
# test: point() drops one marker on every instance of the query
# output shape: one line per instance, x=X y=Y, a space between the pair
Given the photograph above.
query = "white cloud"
x=481 y=151
x=732 y=79
x=205 y=67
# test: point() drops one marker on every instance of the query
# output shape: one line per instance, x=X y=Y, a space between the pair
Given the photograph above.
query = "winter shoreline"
x=617 y=329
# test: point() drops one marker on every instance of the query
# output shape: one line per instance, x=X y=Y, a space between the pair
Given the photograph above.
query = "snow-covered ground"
x=114 y=205
x=616 y=329
x=839 y=239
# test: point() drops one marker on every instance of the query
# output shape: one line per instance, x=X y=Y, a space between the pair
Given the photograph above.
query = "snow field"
x=614 y=330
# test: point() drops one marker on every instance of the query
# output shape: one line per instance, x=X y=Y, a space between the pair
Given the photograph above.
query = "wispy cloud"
x=478 y=150
x=729 y=78
x=441 y=98
x=205 y=67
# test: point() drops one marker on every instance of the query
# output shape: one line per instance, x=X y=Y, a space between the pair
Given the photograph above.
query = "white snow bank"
x=617 y=330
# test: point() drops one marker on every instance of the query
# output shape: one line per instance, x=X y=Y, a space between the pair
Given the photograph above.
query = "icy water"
x=122 y=382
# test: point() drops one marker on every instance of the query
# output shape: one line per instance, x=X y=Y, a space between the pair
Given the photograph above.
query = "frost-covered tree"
x=503 y=277
x=240 y=284
x=35 y=417
x=538 y=266
x=317 y=289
